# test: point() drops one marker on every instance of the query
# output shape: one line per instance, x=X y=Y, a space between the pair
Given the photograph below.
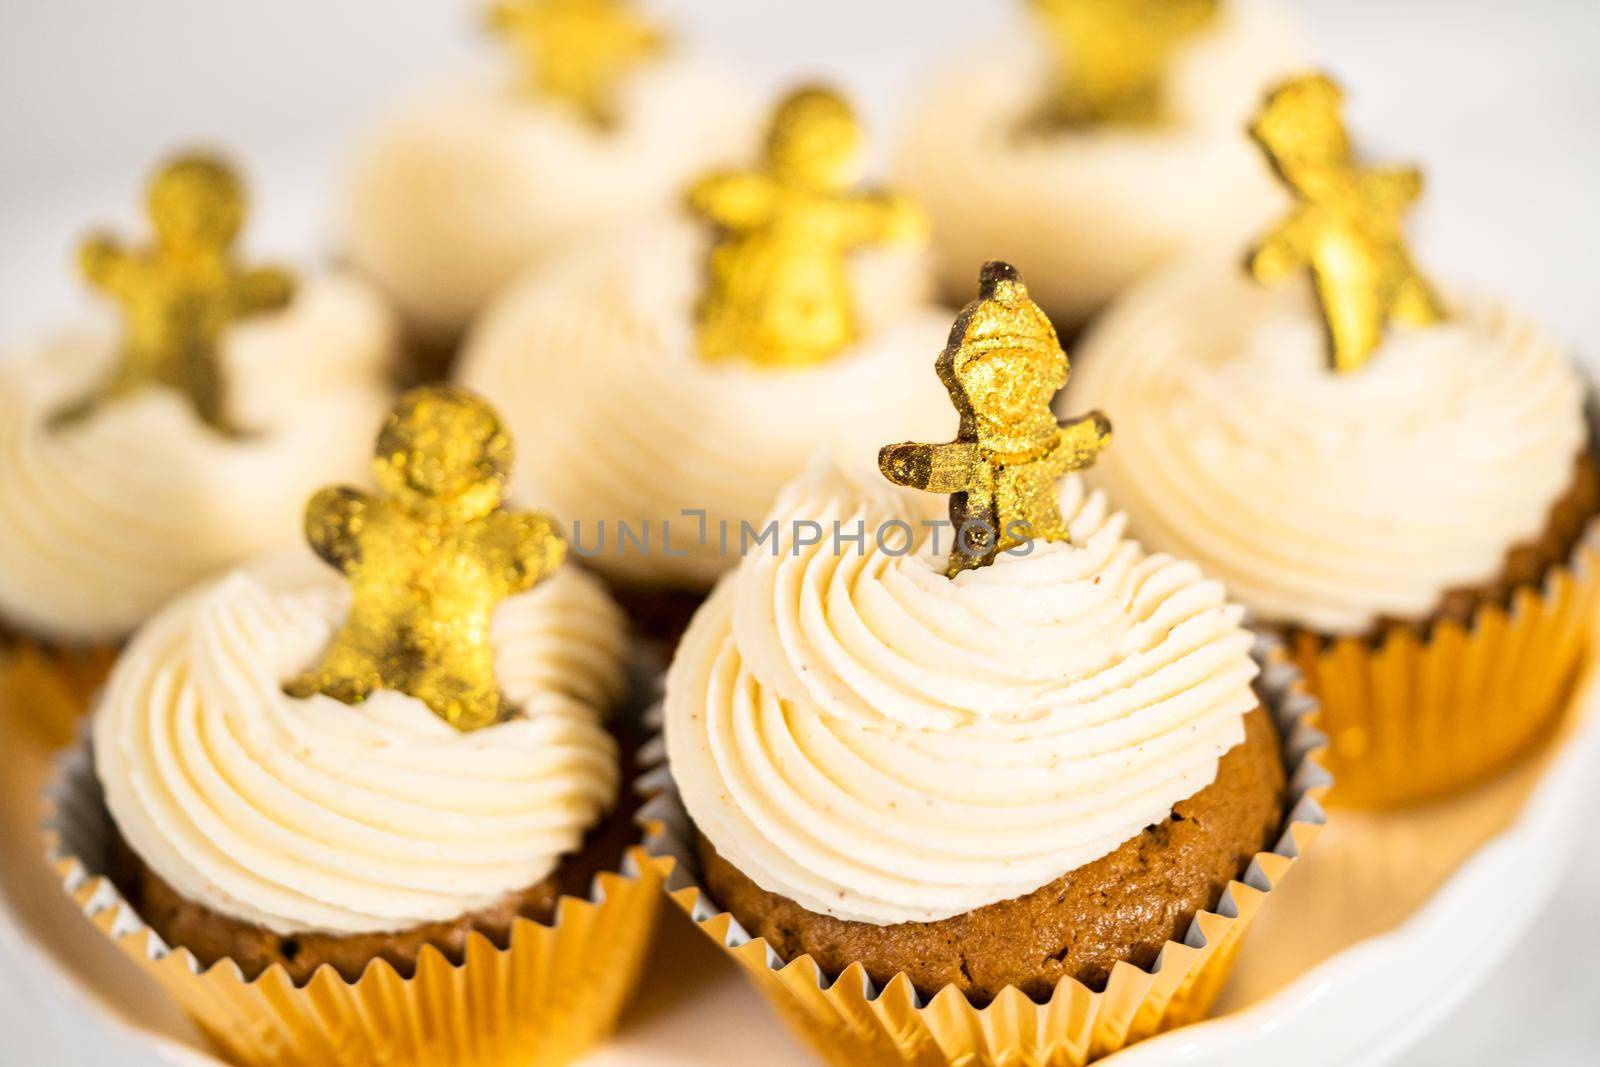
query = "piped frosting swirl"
x=599 y=365
x=881 y=743
x=314 y=816
x=104 y=520
x=476 y=180
x=1328 y=500
x=1081 y=212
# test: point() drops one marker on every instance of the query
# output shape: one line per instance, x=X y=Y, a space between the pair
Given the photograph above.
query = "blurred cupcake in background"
x=369 y=812
x=1096 y=144
x=993 y=776
x=1399 y=478
x=595 y=118
x=676 y=376
x=135 y=462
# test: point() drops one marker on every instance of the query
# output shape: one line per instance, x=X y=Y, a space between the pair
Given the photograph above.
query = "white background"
x=1498 y=99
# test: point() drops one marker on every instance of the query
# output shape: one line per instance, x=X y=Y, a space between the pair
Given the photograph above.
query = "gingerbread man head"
x=444 y=456
x=1301 y=128
x=196 y=204
x=1004 y=365
x=815 y=141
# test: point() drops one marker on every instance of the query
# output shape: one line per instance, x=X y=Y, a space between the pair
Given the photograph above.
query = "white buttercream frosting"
x=314 y=816
x=1083 y=212
x=1325 y=500
x=881 y=743
x=595 y=364
x=475 y=180
x=104 y=520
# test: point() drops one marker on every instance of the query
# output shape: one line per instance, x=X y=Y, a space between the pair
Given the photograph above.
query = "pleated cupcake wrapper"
x=850 y=1021
x=1413 y=716
x=49 y=687
x=549 y=995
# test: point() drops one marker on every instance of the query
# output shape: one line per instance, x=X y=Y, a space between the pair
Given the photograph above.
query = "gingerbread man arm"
x=945 y=468
x=886 y=217
x=104 y=262
x=1079 y=442
x=263 y=289
x=522 y=548
x=1395 y=187
x=335 y=518
x=733 y=200
x=1284 y=250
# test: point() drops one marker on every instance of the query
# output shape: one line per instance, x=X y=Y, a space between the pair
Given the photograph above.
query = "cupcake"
x=366 y=812
x=134 y=463
x=678 y=375
x=1398 y=478
x=1097 y=144
x=1008 y=773
x=595 y=119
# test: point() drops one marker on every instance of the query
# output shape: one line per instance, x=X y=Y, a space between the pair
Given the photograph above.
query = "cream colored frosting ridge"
x=1081 y=213
x=475 y=180
x=859 y=733
x=596 y=366
x=1324 y=500
x=105 y=520
x=310 y=815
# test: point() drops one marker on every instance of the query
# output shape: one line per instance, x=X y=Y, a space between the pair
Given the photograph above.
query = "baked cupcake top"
x=1097 y=141
x=680 y=374
x=887 y=731
x=133 y=464
x=392 y=790
x=592 y=120
x=1321 y=497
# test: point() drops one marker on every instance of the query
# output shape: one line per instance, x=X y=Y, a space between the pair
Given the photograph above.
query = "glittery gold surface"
x=577 y=50
x=429 y=559
x=1112 y=55
x=778 y=291
x=179 y=294
x=1346 y=226
x=1003 y=366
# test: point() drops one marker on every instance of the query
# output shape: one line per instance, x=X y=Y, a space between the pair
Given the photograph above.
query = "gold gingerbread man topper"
x=179 y=294
x=1346 y=225
x=577 y=50
x=778 y=290
x=1002 y=367
x=429 y=558
x=1112 y=55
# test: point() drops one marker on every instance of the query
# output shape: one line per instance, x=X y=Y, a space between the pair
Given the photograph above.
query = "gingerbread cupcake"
x=1096 y=143
x=1003 y=763
x=1398 y=477
x=387 y=791
x=134 y=463
x=677 y=376
x=595 y=119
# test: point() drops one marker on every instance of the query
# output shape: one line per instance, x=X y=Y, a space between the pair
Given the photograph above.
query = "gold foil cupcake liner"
x=49 y=687
x=850 y=1021
x=1412 y=716
x=549 y=994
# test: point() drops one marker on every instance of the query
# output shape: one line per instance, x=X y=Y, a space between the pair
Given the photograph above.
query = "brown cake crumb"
x=1123 y=906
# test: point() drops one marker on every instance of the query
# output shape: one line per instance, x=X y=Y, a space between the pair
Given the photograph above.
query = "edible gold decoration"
x=779 y=289
x=577 y=50
x=428 y=559
x=1112 y=55
x=1002 y=367
x=179 y=294
x=1346 y=226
